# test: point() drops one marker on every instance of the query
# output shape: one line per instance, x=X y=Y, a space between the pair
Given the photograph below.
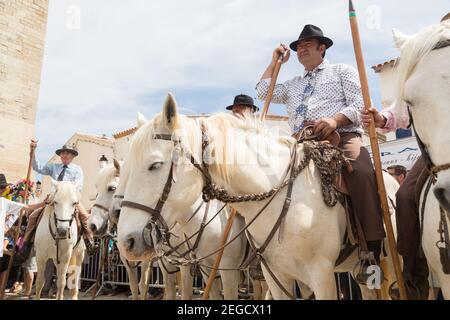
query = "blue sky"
x=105 y=60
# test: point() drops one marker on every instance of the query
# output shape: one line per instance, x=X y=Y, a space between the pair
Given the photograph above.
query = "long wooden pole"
x=16 y=236
x=376 y=150
x=212 y=276
x=273 y=82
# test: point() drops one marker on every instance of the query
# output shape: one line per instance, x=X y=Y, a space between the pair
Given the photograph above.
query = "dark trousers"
x=362 y=186
x=407 y=214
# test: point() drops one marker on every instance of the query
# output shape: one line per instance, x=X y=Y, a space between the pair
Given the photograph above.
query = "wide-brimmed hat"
x=3 y=182
x=311 y=32
x=243 y=99
x=69 y=148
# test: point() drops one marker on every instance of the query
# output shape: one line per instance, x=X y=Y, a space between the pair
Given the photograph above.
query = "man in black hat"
x=243 y=104
x=329 y=96
x=64 y=171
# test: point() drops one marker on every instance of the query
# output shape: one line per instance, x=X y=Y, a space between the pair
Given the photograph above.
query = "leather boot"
x=415 y=274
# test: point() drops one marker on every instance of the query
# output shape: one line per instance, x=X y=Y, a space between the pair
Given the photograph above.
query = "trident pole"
x=375 y=150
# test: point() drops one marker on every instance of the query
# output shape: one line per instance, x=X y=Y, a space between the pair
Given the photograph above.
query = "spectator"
x=398 y=172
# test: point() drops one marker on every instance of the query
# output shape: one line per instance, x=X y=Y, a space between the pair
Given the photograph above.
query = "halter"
x=156 y=211
x=434 y=169
x=54 y=235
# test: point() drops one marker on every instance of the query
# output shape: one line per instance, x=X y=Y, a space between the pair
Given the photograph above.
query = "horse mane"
x=190 y=131
x=218 y=126
x=412 y=52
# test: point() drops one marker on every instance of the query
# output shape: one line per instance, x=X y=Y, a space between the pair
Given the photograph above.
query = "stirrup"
x=366 y=261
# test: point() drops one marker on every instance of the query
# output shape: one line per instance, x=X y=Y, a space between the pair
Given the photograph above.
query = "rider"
x=329 y=95
x=243 y=104
x=64 y=171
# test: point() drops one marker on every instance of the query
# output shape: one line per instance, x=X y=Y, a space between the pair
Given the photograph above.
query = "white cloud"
x=96 y=77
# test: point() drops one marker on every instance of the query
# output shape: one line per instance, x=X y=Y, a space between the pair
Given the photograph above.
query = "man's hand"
x=379 y=119
x=281 y=49
x=324 y=127
x=33 y=144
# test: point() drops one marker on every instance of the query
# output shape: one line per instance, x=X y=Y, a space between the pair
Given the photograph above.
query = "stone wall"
x=23 y=26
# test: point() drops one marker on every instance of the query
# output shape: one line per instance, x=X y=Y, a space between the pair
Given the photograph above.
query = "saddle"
x=307 y=134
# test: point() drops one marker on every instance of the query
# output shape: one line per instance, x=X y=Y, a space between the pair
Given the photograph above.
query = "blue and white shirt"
x=321 y=93
x=73 y=173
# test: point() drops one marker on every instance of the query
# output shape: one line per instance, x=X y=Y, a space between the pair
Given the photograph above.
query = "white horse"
x=142 y=182
x=106 y=183
x=312 y=233
x=67 y=251
x=424 y=86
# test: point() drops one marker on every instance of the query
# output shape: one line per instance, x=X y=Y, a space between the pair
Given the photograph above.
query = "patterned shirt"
x=73 y=172
x=321 y=93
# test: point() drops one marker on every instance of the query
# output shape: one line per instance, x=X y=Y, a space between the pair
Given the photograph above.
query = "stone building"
x=23 y=26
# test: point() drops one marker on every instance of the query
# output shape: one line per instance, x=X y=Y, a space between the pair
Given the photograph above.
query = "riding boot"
x=370 y=260
x=415 y=275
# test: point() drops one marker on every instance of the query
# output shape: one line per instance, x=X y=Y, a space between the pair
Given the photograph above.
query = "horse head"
x=106 y=184
x=64 y=199
x=423 y=89
x=155 y=181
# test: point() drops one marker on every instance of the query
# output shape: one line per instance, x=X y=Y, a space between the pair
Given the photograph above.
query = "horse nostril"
x=93 y=227
x=130 y=243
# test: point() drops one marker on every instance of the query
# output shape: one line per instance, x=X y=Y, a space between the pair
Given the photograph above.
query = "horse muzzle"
x=62 y=233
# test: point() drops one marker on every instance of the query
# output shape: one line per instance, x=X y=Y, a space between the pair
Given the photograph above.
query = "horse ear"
x=141 y=120
x=117 y=166
x=399 y=38
x=170 y=113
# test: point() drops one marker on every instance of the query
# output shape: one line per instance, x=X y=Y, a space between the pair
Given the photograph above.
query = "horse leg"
x=230 y=283
x=61 y=272
x=143 y=283
x=322 y=281
x=132 y=277
x=170 y=290
x=187 y=283
x=305 y=291
x=257 y=290
x=41 y=263
x=74 y=275
x=275 y=291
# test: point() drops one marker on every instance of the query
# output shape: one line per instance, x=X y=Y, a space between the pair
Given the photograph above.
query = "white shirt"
x=8 y=210
x=321 y=93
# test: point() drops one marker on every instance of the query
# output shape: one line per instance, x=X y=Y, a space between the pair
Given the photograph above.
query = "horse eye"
x=75 y=203
x=111 y=189
x=156 y=165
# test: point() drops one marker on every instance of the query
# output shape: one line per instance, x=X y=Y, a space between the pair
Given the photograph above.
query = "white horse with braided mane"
x=57 y=238
x=106 y=183
x=144 y=175
x=311 y=234
x=424 y=86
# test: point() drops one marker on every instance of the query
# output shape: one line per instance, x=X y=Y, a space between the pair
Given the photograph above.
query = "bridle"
x=434 y=169
x=155 y=212
x=54 y=234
